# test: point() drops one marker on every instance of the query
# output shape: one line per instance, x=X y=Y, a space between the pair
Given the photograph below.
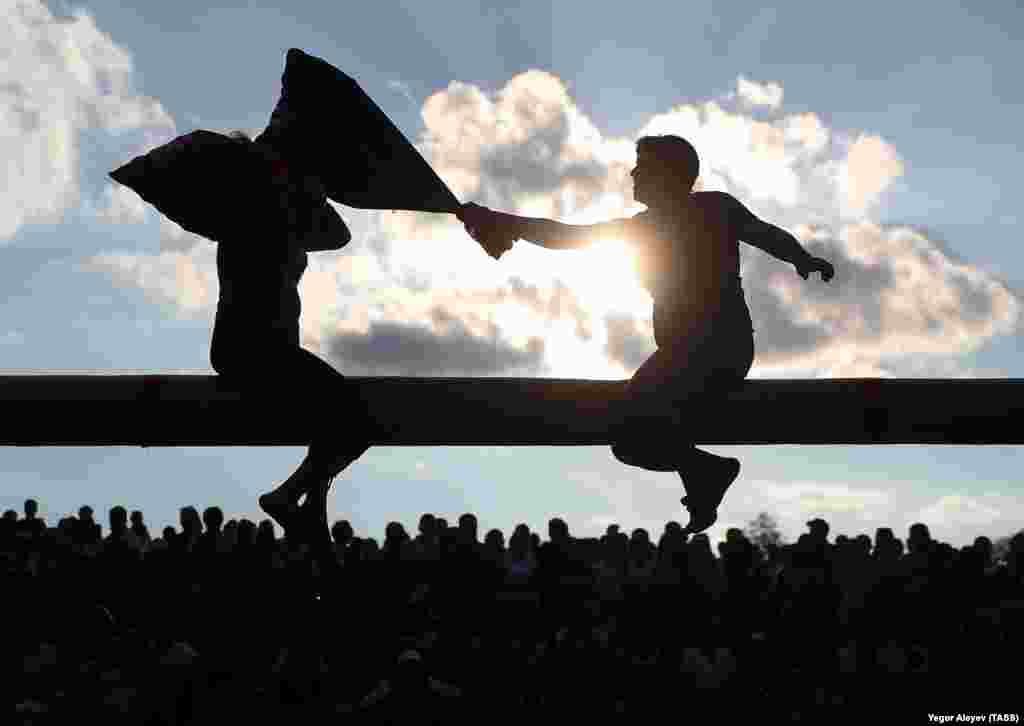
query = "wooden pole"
x=200 y=410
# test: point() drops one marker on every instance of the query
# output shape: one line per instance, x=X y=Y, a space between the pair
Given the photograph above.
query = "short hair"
x=676 y=153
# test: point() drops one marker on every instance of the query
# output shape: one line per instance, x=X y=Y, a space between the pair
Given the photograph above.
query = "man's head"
x=85 y=513
x=188 y=518
x=665 y=167
x=818 y=528
x=468 y=527
x=342 y=531
x=31 y=507
x=558 y=530
x=118 y=518
x=213 y=518
x=918 y=537
x=395 y=532
x=427 y=524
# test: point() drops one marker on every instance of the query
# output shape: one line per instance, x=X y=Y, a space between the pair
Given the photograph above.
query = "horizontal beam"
x=201 y=410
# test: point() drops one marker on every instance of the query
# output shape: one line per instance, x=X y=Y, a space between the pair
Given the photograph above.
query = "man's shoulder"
x=722 y=202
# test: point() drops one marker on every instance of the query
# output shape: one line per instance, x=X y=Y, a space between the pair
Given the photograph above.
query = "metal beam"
x=200 y=410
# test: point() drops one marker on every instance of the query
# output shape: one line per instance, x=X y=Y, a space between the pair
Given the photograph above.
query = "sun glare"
x=604 y=276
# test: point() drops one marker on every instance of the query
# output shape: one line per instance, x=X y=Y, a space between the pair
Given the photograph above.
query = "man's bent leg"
x=651 y=433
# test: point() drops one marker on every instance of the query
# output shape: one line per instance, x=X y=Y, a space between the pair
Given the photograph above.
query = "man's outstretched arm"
x=542 y=232
x=780 y=244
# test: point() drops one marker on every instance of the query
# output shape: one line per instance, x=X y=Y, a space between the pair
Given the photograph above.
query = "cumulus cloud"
x=185 y=281
x=759 y=94
x=121 y=206
x=390 y=348
x=60 y=76
x=900 y=304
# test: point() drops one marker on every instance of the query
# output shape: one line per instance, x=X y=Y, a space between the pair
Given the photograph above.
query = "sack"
x=227 y=189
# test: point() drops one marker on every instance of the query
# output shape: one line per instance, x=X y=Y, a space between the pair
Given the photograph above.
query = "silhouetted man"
x=31 y=525
x=688 y=253
x=86 y=530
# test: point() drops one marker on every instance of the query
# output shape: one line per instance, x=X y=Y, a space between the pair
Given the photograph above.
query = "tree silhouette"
x=764 y=532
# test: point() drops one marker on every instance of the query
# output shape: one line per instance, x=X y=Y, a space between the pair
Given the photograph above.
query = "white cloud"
x=60 y=76
x=759 y=94
x=899 y=303
x=636 y=498
x=992 y=512
x=186 y=281
x=122 y=206
x=870 y=166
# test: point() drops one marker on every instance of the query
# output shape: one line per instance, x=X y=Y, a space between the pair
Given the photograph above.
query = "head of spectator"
x=535 y=541
x=168 y=534
x=494 y=542
x=342 y=533
x=1015 y=555
x=191 y=526
x=85 y=514
x=558 y=531
x=410 y=674
x=615 y=550
x=918 y=538
x=611 y=530
x=118 y=517
x=265 y=538
x=213 y=519
x=8 y=525
x=427 y=527
x=818 y=530
x=230 y=534
x=395 y=538
x=983 y=548
x=468 y=529
x=246 y=533
x=138 y=525
x=31 y=508
x=519 y=545
x=640 y=547
x=699 y=547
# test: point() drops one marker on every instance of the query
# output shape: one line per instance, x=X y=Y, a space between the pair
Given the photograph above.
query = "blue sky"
x=891 y=150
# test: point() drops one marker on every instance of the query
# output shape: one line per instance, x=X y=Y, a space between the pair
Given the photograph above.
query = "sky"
x=890 y=151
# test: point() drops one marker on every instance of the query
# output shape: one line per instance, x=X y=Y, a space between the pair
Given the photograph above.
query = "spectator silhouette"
x=341 y=533
x=31 y=525
x=86 y=530
x=209 y=540
x=139 y=529
x=191 y=528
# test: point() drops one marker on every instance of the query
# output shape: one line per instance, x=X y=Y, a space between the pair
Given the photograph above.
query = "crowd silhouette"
x=218 y=619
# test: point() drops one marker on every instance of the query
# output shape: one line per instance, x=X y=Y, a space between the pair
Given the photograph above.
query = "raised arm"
x=542 y=232
x=777 y=242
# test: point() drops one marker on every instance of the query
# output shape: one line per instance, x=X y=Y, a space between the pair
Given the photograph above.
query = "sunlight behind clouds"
x=528 y=149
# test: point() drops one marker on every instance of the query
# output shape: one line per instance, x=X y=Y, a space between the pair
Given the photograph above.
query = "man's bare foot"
x=703 y=504
x=284 y=512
